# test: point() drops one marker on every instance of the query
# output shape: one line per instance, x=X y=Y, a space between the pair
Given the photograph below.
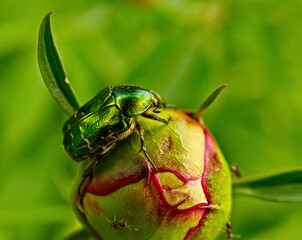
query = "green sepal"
x=285 y=186
x=52 y=69
x=208 y=101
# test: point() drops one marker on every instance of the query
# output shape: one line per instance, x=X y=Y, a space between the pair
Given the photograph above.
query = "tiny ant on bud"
x=118 y=225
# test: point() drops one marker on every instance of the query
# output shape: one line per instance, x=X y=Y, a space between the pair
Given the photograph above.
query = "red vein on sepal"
x=209 y=153
x=158 y=185
x=107 y=188
x=178 y=175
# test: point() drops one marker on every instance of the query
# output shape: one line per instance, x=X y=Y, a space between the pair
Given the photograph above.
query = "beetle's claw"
x=150 y=171
x=81 y=207
x=169 y=120
x=229 y=233
x=236 y=171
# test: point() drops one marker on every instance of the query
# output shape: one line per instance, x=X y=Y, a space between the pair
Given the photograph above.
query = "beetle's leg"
x=229 y=233
x=86 y=174
x=156 y=118
x=236 y=171
x=143 y=146
x=229 y=229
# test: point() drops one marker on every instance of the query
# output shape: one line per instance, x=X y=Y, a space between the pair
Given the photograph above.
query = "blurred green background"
x=181 y=49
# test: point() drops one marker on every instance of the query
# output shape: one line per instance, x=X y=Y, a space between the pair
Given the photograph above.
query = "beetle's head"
x=157 y=101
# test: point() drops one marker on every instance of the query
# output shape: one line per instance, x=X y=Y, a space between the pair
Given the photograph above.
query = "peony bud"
x=188 y=198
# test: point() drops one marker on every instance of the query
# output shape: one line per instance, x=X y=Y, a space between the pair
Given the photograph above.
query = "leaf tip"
x=48 y=15
x=209 y=101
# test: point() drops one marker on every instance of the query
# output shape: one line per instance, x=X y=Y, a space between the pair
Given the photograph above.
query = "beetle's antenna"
x=208 y=101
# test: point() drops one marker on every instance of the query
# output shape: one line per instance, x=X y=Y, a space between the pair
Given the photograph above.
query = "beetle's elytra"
x=97 y=126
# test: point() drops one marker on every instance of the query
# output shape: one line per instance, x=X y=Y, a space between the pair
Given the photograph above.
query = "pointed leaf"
x=209 y=101
x=285 y=186
x=52 y=70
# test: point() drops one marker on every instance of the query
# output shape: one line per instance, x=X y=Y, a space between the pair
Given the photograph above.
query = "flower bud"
x=188 y=198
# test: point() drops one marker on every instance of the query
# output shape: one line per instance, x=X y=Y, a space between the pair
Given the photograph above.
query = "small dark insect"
x=235 y=170
x=122 y=224
x=229 y=233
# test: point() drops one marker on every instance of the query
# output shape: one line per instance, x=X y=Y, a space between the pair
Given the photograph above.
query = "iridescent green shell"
x=106 y=119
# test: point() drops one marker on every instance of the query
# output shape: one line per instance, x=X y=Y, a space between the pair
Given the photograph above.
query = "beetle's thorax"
x=132 y=100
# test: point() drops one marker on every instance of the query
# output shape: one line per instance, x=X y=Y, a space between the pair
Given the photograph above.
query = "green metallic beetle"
x=96 y=127
x=109 y=117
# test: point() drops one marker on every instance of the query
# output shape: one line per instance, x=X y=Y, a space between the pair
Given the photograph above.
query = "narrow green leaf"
x=284 y=186
x=52 y=70
x=208 y=101
x=80 y=235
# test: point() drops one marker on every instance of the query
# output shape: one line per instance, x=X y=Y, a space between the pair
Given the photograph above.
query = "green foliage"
x=285 y=186
x=182 y=50
x=52 y=70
